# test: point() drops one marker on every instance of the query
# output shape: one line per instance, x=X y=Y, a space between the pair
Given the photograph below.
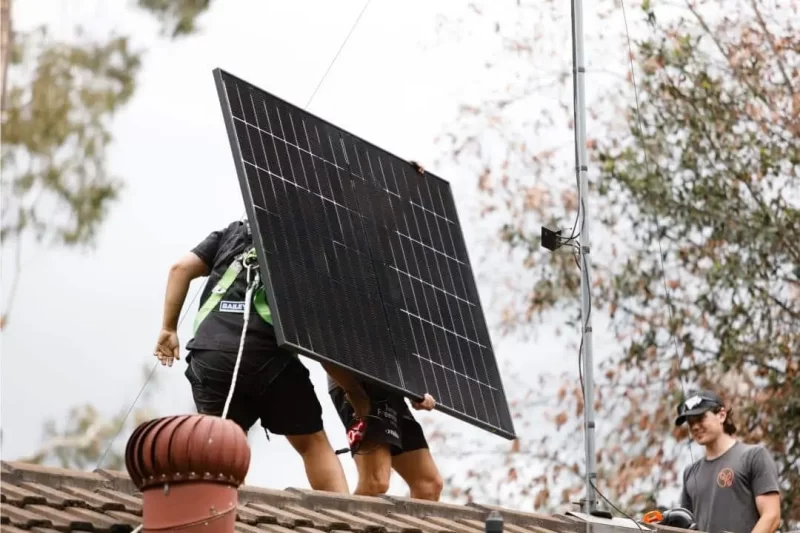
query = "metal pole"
x=581 y=163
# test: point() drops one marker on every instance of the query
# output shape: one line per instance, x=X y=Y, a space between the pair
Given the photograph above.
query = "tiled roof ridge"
x=46 y=499
x=112 y=492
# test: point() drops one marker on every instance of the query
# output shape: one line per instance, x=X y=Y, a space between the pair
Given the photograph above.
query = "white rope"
x=248 y=297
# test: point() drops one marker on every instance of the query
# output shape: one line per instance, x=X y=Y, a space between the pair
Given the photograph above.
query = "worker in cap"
x=734 y=487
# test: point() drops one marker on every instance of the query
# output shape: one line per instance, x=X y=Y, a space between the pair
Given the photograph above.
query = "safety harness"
x=254 y=294
x=248 y=260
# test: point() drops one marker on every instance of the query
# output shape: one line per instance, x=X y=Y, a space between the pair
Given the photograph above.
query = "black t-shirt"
x=221 y=330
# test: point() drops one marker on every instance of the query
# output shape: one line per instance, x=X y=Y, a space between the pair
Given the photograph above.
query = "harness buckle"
x=250 y=259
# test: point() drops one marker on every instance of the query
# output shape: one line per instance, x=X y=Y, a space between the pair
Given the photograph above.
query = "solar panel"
x=364 y=260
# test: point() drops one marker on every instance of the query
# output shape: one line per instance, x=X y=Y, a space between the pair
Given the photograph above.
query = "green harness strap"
x=224 y=284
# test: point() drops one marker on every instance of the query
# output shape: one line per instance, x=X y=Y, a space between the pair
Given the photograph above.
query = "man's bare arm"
x=769 y=508
x=356 y=394
x=181 y=274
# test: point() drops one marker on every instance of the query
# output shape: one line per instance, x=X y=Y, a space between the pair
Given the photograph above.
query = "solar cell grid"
x=364 y=260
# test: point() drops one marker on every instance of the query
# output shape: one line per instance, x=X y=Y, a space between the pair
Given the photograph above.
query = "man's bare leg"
x=418 y=469
x=374 y=465
x=323 y=468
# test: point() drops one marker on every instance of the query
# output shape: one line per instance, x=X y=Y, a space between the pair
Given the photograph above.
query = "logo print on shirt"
x=725 y=478
x=231 y=307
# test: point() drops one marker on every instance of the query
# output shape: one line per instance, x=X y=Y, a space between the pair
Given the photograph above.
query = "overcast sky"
x=84 y=324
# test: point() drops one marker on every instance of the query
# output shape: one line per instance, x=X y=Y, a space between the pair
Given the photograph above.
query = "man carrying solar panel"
x=383 y=434
x=235 y=345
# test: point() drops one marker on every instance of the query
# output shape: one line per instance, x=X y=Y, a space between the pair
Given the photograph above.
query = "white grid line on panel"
x=434 y=213
x=297 y=185
x=479 y=382
x=260 y=142
x=300 y=148
x=428 y=283
x=447 y=302
x=412 y=239
x=341 y=227
x=406 y=311
x=405 y=303
x=344 y=150
x=428 y=306
x=472 y=318
x=413 y=292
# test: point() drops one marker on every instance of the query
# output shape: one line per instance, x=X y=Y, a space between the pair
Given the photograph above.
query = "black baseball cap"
x=697 y=403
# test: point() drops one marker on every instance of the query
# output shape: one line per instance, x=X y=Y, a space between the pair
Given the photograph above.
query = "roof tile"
x=342 y=502
x=422 y=508
x=320 y=521
x=125 y=518
x=268 y=496
x=53 y=476
x=357 y=523
x=61 y=519
x=284 y=517
x=313 y=530
x=18 y=495
x=251 y=516
x=513 y=528
x=275 y=529
x=476 y=524
x=425 y=525
x=12 y=529
x=392 y=525
x=535 y=519
x=54 y=497
x=117 y=480
x=24 y=518
x=241 y=527
x=102 y=523
x=132 y=504
x=247 y=528
x=43 y=499
x=95 y=501
x=463 y=526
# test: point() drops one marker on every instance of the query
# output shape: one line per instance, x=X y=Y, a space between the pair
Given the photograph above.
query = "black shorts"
x=275 y=389
x=390 y=421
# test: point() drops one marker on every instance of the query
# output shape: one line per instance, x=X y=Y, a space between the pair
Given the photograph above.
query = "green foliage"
x=178 y=17
x=59 y=100
x=56 y=131
x=714 y=173
x=695 y=261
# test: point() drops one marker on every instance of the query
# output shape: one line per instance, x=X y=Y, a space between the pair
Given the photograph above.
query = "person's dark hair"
x=727 y=426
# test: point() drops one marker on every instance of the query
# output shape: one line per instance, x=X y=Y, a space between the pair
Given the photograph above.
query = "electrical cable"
x=581 y=257
x=584 y=273
x=585 y=276
x=667 y=294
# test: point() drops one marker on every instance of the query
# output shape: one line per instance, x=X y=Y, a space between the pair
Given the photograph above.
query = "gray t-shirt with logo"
x=721 y=492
